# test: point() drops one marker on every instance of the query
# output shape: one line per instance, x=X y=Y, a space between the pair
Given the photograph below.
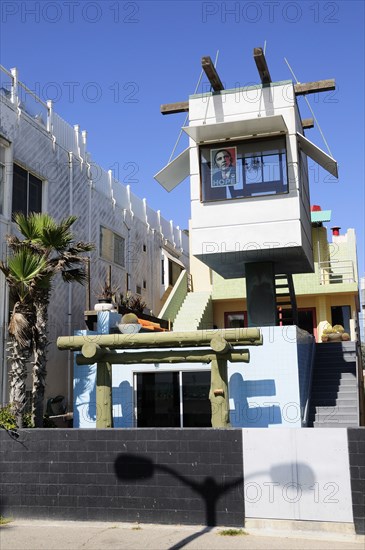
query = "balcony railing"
x=336 y=272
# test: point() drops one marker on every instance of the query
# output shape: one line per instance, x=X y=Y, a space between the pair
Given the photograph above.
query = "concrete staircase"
x=334 y=397
x=195 y=312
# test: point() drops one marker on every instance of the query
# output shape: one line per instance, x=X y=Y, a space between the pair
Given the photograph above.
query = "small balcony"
x=336 y=272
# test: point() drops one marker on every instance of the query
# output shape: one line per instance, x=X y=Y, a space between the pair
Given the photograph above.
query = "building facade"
x=45 y=167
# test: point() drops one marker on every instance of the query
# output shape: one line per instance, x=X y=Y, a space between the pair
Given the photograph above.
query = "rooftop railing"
x=336 y=272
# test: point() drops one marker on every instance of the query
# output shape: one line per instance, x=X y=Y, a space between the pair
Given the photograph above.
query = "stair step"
x=330 y=399
x=335 y=425
x=339 y=375
x=347 y=407
x=333 y=412
x=330 y=382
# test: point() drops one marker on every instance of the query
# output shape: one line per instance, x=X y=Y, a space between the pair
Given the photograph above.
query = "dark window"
x=158 y=400
x=341 y=315
x=162 y=272
x=144 y=284
x=307 y=320
x=174 y=272
x=196 y=405
x=27 y=192
x=144 y=248
x=243 y=169
x=158 y=403
x=235 y=319
x=138 y=289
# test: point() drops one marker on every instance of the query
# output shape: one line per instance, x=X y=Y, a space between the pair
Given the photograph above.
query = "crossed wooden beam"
x=265 y=77
x=214 y=347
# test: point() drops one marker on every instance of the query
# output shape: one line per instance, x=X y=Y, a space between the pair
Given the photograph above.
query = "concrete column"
x=261 y=300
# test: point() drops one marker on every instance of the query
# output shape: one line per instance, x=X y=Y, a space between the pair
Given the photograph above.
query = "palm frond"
x=24 y=266
x=19 y=327
x=27 y=225
x=73 y=276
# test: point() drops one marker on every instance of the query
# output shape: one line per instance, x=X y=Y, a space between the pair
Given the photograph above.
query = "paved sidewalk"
x=76 y=535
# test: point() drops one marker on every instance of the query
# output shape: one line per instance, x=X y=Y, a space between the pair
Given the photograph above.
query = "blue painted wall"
x=272 y=390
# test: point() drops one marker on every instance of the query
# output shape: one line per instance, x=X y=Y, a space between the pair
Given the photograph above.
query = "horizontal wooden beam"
x=314 y=87
x=261 y=65
x=307 y=123
x=172 y=108
x=212 y=75
x=196 y=338
x=299 y=89
x=178 y=356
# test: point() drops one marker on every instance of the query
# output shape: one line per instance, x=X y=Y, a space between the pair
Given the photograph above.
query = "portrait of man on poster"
x=223 y=163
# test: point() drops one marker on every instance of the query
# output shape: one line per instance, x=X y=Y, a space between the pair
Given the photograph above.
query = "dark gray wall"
x=191 y=476
x=356 y=442
x=148 y=475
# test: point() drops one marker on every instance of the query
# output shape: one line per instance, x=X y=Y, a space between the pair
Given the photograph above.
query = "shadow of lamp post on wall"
x=135 y=467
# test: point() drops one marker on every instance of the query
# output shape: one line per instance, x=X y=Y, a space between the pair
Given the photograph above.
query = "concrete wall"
x=193 y=476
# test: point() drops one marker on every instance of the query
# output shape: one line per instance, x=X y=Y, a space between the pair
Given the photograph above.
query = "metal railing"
x=336 y=272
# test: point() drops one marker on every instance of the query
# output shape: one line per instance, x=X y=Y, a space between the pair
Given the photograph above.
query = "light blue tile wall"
x=270 y=391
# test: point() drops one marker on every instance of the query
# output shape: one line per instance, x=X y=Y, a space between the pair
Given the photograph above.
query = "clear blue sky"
x=109 y=65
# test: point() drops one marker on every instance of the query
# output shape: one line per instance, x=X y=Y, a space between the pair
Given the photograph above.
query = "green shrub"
x=7 y=418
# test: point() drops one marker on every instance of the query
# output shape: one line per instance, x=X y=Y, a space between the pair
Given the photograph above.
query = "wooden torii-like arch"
x=214 y=347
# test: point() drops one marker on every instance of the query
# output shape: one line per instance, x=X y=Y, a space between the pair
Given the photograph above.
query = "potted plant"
x=334 y=334
x=106 y=297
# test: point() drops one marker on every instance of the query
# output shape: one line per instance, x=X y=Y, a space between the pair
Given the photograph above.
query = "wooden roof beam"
x=172 y=108
x=307 y=123
x=314 y=87
x=210 y=71
x=261 y=65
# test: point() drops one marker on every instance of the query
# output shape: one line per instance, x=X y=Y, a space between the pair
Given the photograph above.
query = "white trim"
x=315 y=153
x=175 y=172
x=224 y=131
x=173 y=258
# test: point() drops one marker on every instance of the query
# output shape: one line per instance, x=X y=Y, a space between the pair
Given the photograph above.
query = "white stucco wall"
x=260 y=223
x=304 y=476
x=73 y=184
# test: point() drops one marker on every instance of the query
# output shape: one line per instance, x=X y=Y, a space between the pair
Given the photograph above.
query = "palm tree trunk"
x=40 y=359
x=18 y=358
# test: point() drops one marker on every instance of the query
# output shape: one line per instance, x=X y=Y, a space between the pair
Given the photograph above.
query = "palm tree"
x=21 y=273
x=51 y=248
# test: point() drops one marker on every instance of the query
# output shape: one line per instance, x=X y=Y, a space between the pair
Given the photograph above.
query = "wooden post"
x=104 y=414
x=218 y=394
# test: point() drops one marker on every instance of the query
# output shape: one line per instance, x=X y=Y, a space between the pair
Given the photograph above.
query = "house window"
x=173 y=399
x=307 y=320
x=235 y=319
x=174 y=272
x=138 y=289
x=144 y=248
x=144 y=284
x=162 y=271
x=112 y=246
x=243 y=169
x=341 y=315
x=27 y=192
